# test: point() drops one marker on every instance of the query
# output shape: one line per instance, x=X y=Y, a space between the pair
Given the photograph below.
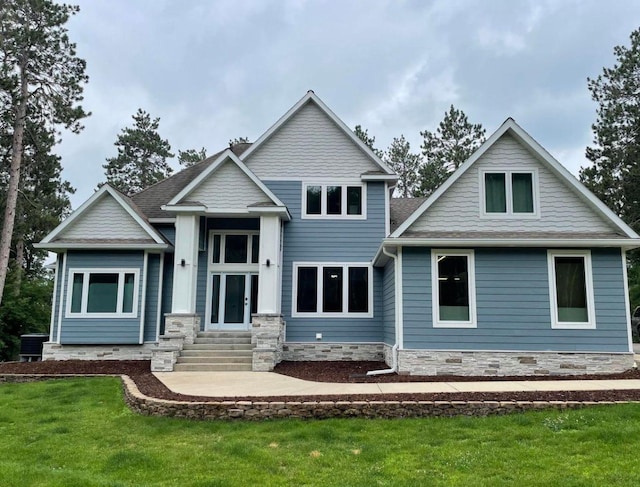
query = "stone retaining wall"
x=263 y=410
x=434 y=362
x=297 y=352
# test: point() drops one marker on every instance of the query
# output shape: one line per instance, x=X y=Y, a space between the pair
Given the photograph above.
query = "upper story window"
x=509 y=193
x=102 y=293
x=235 y=248
x=334 y=200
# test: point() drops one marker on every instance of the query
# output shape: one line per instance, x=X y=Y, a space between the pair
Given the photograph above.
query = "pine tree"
x=405 y=164
x=369 y=141
x=615 y=174
x=41 y=80
x=447 y=148
x=238 y=140
x=189 y=157
x=142 y=156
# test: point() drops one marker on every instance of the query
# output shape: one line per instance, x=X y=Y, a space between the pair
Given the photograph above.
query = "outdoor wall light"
x=183 y=263
x=268 y=262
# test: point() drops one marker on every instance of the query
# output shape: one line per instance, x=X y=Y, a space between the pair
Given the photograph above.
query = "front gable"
x=311 y=142
x=562 y=206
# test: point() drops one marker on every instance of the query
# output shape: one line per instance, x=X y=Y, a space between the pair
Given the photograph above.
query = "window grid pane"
x=314 y=199
x=332 y=290
x=307 y=297
x=103 y=293
x=235 y=249
x=76 y=296
x=216 y=249
x=358 y=290
x=215 y=298
x=255 y=248
x=127 y=298
x=522 y=189
x=495 y=193
x=453 y=288
x=571 y=289
x=354 y=200
x=334 y=200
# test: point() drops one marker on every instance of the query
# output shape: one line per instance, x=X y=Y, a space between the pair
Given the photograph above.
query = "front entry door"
x=233 y=299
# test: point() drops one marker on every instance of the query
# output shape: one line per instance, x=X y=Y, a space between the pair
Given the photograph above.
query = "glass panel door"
x=233 y=298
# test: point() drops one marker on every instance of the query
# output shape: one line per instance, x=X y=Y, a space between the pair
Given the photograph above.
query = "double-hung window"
x=571 y=289
x=453 y=288
x=332 y=290
x=102 y=293
x=509 y=193
x=333 y=200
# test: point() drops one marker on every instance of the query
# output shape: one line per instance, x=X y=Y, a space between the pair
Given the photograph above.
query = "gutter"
x=397 y=261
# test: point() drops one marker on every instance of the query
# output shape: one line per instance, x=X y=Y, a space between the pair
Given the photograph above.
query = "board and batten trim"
x=471 y=288
x=553 y=299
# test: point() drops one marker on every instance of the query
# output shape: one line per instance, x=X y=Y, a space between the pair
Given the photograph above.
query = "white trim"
x=591 y=313
x=63 y=285
x=90 y=202
x=143 y=297
x=310 y=96
x=89 y=245
x=513 y=242
x=400 y=299
x=378 y=177
x=387 y=209
x=221 y=325
x=87 y=271
x=627 y=304
x=162 y=220
x=508 y=181
x=343 y=202
x=159 y=310
x=54 y=298
x=219 y=162
x=515 y=130
x=471 y=289
x=319 y=288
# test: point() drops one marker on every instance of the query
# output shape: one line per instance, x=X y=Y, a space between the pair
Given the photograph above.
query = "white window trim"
x=238 y=267
x=435 y=288
x=121 y=271
x=345 y=290
x=510 y=215
x=323 y=200
x=567 y=325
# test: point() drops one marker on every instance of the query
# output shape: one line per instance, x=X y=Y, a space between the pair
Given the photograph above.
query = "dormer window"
x=333 y=200
x=509 y=193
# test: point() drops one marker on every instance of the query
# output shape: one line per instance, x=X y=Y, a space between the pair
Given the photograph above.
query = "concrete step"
x=230 y=341
x=216 y=353
x=219 y=346
x=214 y=360
x=214 y=367
x=224 y=334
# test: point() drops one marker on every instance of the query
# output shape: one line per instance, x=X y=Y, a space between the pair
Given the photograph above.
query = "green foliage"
x=369 y=141
x=79 y=432
x=238 y=140
x=405 y=164
x=190 y=157
x=142 y=156
x=447 y=148
x=615 y=174
x=28 y=311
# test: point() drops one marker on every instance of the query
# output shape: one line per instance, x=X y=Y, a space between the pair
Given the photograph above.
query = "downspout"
x=394 y=350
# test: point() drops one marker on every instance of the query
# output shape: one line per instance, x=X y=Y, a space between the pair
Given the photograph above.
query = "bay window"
x=102 y=293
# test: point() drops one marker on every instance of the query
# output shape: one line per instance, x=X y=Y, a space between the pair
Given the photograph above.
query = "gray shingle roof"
x=401 y=208
x=151 y=199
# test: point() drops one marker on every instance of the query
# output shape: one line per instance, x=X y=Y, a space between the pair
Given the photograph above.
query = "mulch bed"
x=139 y=371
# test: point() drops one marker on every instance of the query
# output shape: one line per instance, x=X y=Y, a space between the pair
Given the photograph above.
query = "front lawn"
x=78 y=432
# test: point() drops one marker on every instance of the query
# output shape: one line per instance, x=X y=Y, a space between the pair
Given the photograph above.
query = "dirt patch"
x=149 y=385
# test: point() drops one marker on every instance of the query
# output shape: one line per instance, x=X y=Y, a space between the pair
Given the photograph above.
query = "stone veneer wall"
x=55 y=351
x=267 y=338
x=435 y=362
x=319 y=351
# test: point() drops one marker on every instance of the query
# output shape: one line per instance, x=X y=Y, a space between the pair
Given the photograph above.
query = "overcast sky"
x=216 y=70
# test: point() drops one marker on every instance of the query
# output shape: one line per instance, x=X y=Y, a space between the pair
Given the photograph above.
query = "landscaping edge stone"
x=264 y=410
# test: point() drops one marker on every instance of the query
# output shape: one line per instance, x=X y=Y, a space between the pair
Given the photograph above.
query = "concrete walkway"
x=261 y=384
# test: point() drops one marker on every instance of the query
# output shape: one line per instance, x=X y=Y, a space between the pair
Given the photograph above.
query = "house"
x=292 y=248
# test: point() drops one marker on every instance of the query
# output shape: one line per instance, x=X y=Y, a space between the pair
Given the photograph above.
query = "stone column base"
x=267 y=337
x=179 y=330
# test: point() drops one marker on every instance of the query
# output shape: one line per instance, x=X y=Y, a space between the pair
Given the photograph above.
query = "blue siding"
x=168 y=231
x=167 y=288
x=512 y=294
x=327 y=241
x=56 y=297
x=389 y=304
x=151 y=304
x=101 y=330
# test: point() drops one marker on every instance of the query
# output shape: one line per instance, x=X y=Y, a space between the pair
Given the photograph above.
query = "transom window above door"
x=235 y=248
x=328 y=200
x=509 y=193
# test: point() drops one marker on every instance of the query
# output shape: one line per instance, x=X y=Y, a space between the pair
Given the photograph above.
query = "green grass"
x=80 y=433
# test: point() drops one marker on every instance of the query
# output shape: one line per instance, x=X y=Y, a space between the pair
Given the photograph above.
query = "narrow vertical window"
x=254 y=293
x=354 y=200
x=307 y=292
x=358 y=290
x=314 y=200
x=255 y=248
x=127 y=297
x=522 y=192
x=76 y=296
x=215 y=298
x=334 y=200
x=216 y=248
x=495 y=192
x=332 y=290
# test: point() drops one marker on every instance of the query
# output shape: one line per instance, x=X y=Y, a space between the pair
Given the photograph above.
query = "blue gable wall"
x=101 y=331
x=512 y=291
x=331 y=241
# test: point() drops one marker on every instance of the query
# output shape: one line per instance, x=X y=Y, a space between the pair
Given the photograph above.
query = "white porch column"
x=270 y=266
x=185 y=270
